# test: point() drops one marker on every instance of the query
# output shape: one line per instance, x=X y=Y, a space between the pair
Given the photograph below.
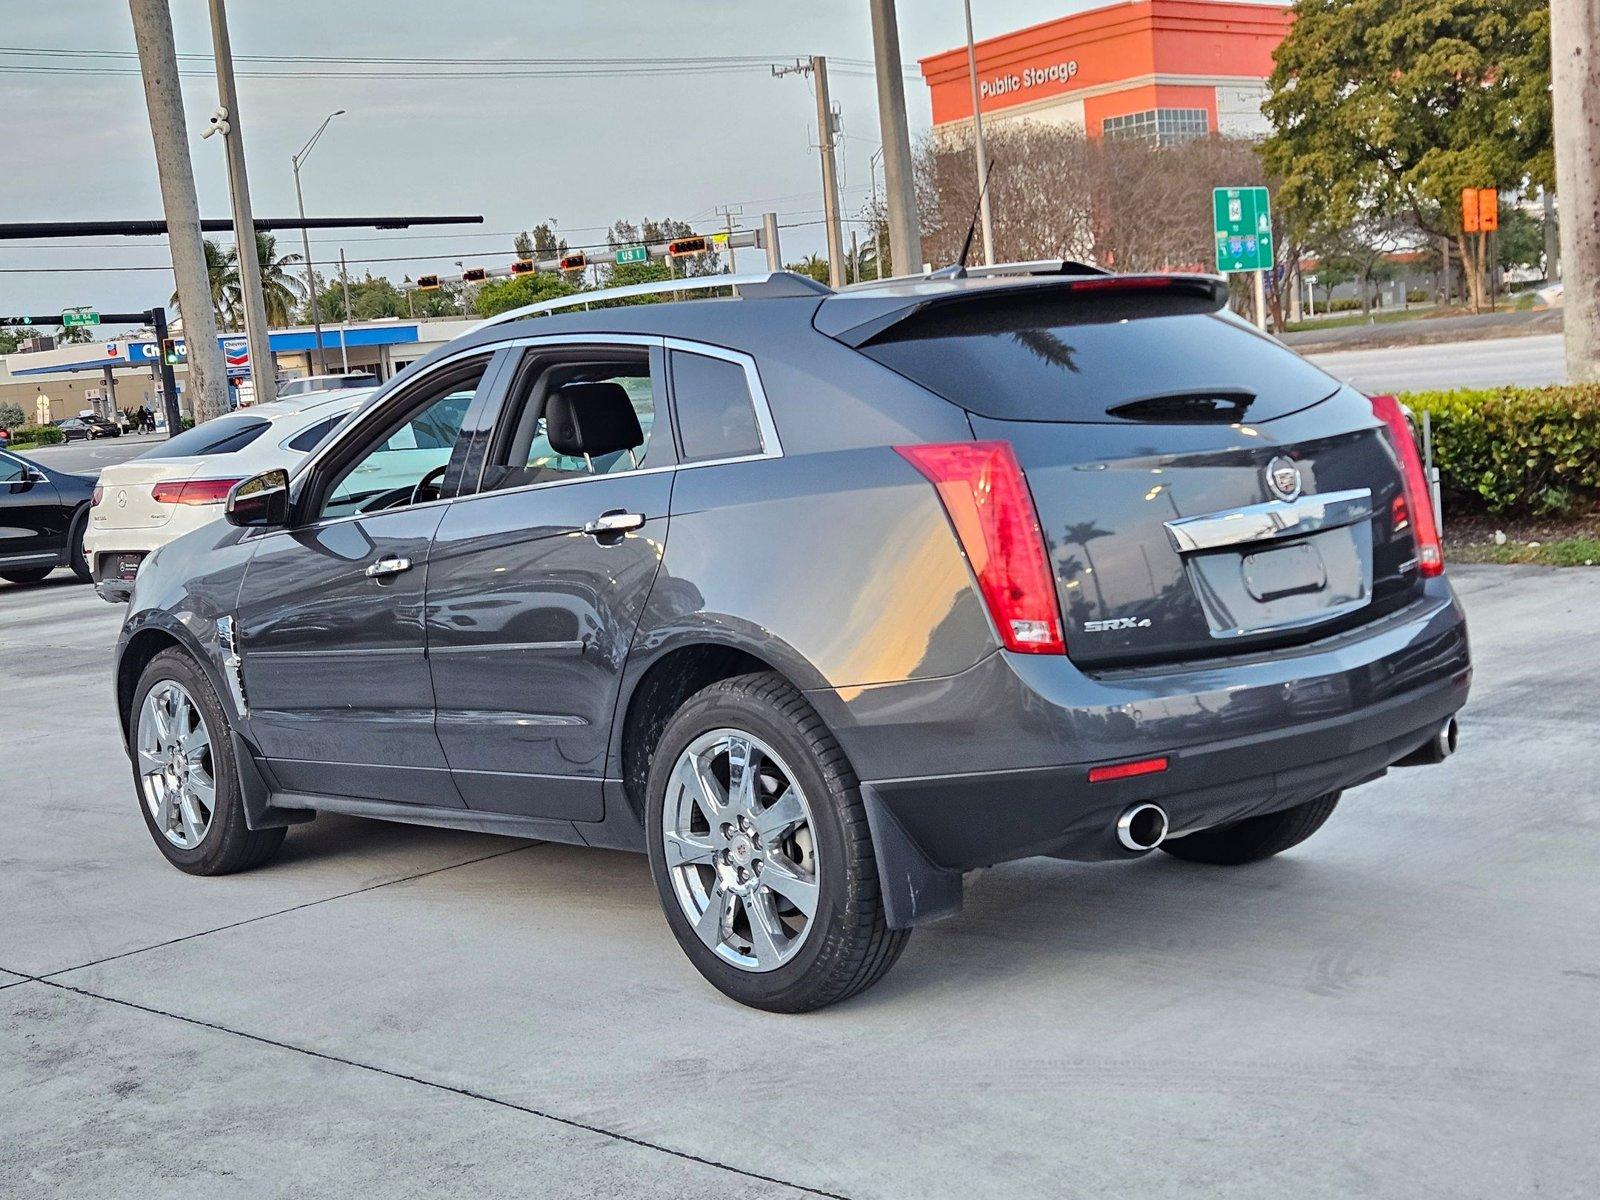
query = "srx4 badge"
x=1116 y=623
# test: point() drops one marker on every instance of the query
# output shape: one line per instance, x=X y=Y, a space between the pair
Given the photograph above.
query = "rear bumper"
x=992 y=764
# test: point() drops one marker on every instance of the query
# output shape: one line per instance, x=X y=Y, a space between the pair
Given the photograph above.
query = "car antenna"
x=966 y=246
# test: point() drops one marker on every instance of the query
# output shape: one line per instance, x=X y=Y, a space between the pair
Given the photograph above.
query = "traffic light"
x=427 y=283
x=576 y=261
x=524 y=266
x=474 y=275
x=683 y=247
x=170 y=352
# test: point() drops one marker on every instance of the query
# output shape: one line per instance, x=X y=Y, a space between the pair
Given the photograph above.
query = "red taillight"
x=1145 y=766
x=1419 y=498
x=193 y=491
x=94 y=497
x=982 y=489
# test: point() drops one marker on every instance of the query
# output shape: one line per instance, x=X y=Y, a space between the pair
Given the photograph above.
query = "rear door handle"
x=617 y=521
x=385 y=567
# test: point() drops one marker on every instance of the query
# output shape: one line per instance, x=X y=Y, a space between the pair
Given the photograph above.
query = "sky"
x=584 y=150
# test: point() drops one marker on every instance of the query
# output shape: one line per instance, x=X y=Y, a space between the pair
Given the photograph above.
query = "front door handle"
x=617 y=521
x=387 y=566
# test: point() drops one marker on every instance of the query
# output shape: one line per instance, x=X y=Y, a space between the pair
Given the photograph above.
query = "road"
x=90 y=458
x=1529 y=361
x=1403 y=1006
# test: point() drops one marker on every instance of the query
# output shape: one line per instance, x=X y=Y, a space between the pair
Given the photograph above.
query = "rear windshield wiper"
x=1222 y=405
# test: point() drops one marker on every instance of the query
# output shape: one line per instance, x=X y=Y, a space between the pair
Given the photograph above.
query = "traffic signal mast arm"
x=577 y=259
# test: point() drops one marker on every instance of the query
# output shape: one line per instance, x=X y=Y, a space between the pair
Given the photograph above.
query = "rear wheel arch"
x=663 y=688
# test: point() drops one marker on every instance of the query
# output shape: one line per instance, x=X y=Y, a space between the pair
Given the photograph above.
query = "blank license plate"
x=128 y=566
x=1286 y=572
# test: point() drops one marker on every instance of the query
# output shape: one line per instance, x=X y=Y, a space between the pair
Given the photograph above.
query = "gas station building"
x=1166 y=69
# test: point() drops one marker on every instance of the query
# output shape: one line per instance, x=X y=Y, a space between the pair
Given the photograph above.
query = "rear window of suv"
x=1111 y=359
x=223 y=435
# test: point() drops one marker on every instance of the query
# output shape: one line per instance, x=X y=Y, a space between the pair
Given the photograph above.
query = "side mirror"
x=260 y=502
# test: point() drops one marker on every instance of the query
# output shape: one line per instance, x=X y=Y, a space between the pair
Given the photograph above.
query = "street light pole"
x=263 y=376
x=978 y=148
x=305 y=239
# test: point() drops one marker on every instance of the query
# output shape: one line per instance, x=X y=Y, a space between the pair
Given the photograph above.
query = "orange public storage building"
x=1168 y=69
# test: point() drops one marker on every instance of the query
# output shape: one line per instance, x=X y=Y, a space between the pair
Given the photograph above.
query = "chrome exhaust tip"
x=1142 y=827
x=1444 y=742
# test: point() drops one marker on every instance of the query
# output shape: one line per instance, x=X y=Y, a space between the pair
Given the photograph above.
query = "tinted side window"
x=310 y=438
x=716 y=415
x=10 y=469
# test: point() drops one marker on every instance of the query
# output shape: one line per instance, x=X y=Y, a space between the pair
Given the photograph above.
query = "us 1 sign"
x=1243 y=228
x=632 y=254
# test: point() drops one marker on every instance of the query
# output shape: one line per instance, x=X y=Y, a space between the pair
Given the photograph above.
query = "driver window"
x=11 y=471
x=406 y=466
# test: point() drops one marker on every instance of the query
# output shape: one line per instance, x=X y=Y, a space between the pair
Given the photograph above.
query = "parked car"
x=180 y=484
x=819 y=599
x=325 y=383
x=75 y=429
x=42 y=519
x=5 y=438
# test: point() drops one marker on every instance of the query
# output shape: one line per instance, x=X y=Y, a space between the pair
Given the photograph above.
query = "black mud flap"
x=915 y=889
x=259 y=810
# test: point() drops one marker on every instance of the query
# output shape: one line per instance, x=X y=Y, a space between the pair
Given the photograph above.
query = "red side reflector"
x=1145 y=766
x=1419 y=497
x=193 y=491
x=983 y=491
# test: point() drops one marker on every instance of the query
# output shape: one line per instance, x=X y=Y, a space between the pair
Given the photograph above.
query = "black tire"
x=31 y=575
x=77 y=559
x=229 y=845
x=849 y=946
x=1254 y=838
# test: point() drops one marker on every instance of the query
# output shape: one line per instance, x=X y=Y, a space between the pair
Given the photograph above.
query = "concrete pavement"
x=1400 y=1007
x=90 y=458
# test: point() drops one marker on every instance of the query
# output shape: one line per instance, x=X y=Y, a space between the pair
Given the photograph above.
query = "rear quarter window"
x=716 y=413
x=1068 y=361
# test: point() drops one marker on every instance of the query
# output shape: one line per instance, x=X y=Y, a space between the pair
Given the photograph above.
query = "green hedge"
x=38 y=435
x=1528 y=450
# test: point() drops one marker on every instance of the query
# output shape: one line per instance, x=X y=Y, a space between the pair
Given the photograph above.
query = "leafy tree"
x=11 y=415
x=498 y=295
x=1388 y=107
x=813 y=265
x=1521 y=238
x=371 y=298
x=10 y=339
x=540 y=242
x=280 y=289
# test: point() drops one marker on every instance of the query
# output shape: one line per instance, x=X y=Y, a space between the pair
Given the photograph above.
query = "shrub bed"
x=37 y=435
x=1516 y=450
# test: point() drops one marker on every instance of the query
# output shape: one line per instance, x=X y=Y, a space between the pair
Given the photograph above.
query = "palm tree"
x=280 y=289
x=223 y=276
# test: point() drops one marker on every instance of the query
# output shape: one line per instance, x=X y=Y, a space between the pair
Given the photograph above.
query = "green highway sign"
x=1243 y=227
x=632 y=254
x=79 y=316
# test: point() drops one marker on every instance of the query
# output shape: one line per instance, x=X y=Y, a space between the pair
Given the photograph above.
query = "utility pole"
x=729 y=212
x=1552 y=237
x=905 y=231
x=769 y=241
x=979 y=151
x=1575 y=97
x=263 y=375
x=158 y=63
x=817 y=68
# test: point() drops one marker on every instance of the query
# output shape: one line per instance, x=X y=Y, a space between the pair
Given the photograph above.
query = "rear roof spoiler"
x=857 y=319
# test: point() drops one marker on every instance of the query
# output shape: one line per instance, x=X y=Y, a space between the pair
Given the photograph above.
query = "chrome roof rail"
x=767 y=284
x=1041 y=266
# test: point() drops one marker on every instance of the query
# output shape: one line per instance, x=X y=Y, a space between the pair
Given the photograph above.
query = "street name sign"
x=72 y=317
x=1243 y=227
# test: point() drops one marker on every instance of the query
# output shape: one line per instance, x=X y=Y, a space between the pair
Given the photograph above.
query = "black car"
x=76 y=429
x=820 y=599
x=43 y=514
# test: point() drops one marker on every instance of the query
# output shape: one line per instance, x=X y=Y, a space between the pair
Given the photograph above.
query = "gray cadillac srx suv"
x=818 y=598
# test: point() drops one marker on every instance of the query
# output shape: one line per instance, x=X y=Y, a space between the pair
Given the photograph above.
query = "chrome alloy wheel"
x=176 y=764
x=739 y=848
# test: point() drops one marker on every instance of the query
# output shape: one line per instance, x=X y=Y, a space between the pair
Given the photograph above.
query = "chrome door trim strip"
x=1270 y=521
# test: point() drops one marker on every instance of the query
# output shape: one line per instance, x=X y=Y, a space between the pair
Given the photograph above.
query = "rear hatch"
x=1201 y=489
x=127 y=499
